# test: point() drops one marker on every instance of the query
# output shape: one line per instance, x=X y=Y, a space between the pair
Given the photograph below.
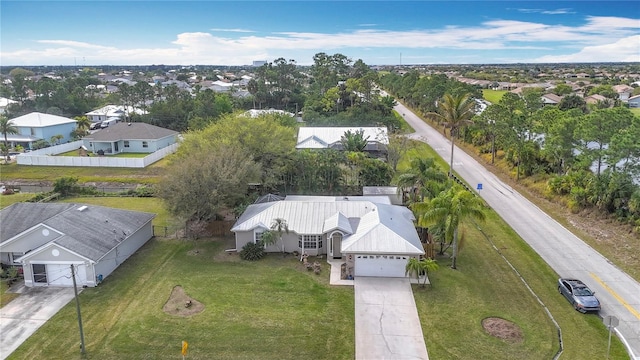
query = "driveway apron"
x=387 y=323
x=20 y=318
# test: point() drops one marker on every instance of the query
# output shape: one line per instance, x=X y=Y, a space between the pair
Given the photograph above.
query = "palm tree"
x=454 y=112
x=417 y=267
x=280 y=226
x=354 y=141
x=449 y=209
x=268 y=238
x=83 y=123
x=424 y=179
x=7 y=128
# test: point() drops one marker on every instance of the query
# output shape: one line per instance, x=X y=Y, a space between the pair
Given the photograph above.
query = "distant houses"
x=331 y=137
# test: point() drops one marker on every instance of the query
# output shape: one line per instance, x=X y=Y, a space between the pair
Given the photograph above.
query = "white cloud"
x=599 y=39
x=623 y=50
x=232 y=30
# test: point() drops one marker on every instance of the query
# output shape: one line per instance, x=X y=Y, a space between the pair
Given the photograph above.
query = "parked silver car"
x=579 y=295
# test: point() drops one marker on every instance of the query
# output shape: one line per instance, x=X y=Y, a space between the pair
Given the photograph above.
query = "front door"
x=116 y=147
x=336 y=241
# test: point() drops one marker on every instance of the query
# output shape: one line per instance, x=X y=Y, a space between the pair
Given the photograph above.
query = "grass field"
x=122 y=155
x=148 y=175
x=271 y=309
x=493 y=96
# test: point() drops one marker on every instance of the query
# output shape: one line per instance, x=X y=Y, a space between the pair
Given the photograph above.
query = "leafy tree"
x=375 y=172
x=7 y=127
x=573 y=102
x=200 y=182
x=562 y=89
x=55 y=139
x=66 y=186
x=455 y=112
x=598 y=128
x=449 y=209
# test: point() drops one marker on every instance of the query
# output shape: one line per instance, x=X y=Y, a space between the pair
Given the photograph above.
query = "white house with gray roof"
x=373 y=237
x=45 y=239
x=129 y=137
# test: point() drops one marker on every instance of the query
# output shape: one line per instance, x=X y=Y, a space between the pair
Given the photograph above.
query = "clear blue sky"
x=378 y=32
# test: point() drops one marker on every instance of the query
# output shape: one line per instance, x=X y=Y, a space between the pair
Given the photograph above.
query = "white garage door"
x=60 y=275
x=380 y=265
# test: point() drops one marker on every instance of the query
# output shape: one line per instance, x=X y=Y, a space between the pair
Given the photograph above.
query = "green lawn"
x=271 y=309
x=124 y=154
x=148 y=175
x=493 y=96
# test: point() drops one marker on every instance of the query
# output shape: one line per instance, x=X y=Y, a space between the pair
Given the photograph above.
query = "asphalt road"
x=568 y=255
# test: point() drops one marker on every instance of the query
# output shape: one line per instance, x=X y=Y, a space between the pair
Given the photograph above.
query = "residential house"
x=129 y=137
x=46 y=239
x=4 y=103
x=623 y=91
x=331 y=137
x=38 y=126
x=551 y=99
x=594 y=99
x=109 y=112
x=374 y=237
x=634 y=101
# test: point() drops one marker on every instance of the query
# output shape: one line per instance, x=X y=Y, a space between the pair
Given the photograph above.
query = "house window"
x=257 y=237
x=145 y=144
x=126 y=143
x=39 y=273
x=310 y=241
x=33 y=132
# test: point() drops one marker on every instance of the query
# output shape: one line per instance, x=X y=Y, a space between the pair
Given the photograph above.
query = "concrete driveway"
x=387 y=323
x=25 y=314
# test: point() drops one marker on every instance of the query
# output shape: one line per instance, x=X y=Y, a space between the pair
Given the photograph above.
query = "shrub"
x=252 y=252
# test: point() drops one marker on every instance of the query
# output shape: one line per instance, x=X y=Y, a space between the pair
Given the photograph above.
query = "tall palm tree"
x=423 y=177
x=450 y=208
x=83 y=123
x=454 y=112
x=7 y=127
x=280 y=226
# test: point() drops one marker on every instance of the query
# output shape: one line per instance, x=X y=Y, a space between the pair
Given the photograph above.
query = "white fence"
x=43 y=157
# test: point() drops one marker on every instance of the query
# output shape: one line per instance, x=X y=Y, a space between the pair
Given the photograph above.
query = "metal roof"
x=36 y=119
x=324 y=137
x=374 y=227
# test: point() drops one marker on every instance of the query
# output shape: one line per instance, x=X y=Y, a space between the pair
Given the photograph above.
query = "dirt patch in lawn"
x=180 y=304
x=503 y=329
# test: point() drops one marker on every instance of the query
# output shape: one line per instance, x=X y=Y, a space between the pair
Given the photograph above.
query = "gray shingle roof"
x=131 y=131
x=91 y=233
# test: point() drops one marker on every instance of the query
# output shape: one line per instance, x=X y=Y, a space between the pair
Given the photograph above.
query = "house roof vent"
x=83 y=208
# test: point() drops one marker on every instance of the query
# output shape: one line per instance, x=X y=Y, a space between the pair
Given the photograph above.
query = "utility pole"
x=75 y=291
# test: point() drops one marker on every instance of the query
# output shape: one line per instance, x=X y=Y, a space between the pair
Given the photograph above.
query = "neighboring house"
x=594 y=99
x=113 y=112
x=254 y=113
x=330 y=137
x=4 y=103
x=47 y=238
x=623 y=91
x=634 y=101
x=551 y=99
x=130 y=137
x=374 y=237
x=38 y=126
